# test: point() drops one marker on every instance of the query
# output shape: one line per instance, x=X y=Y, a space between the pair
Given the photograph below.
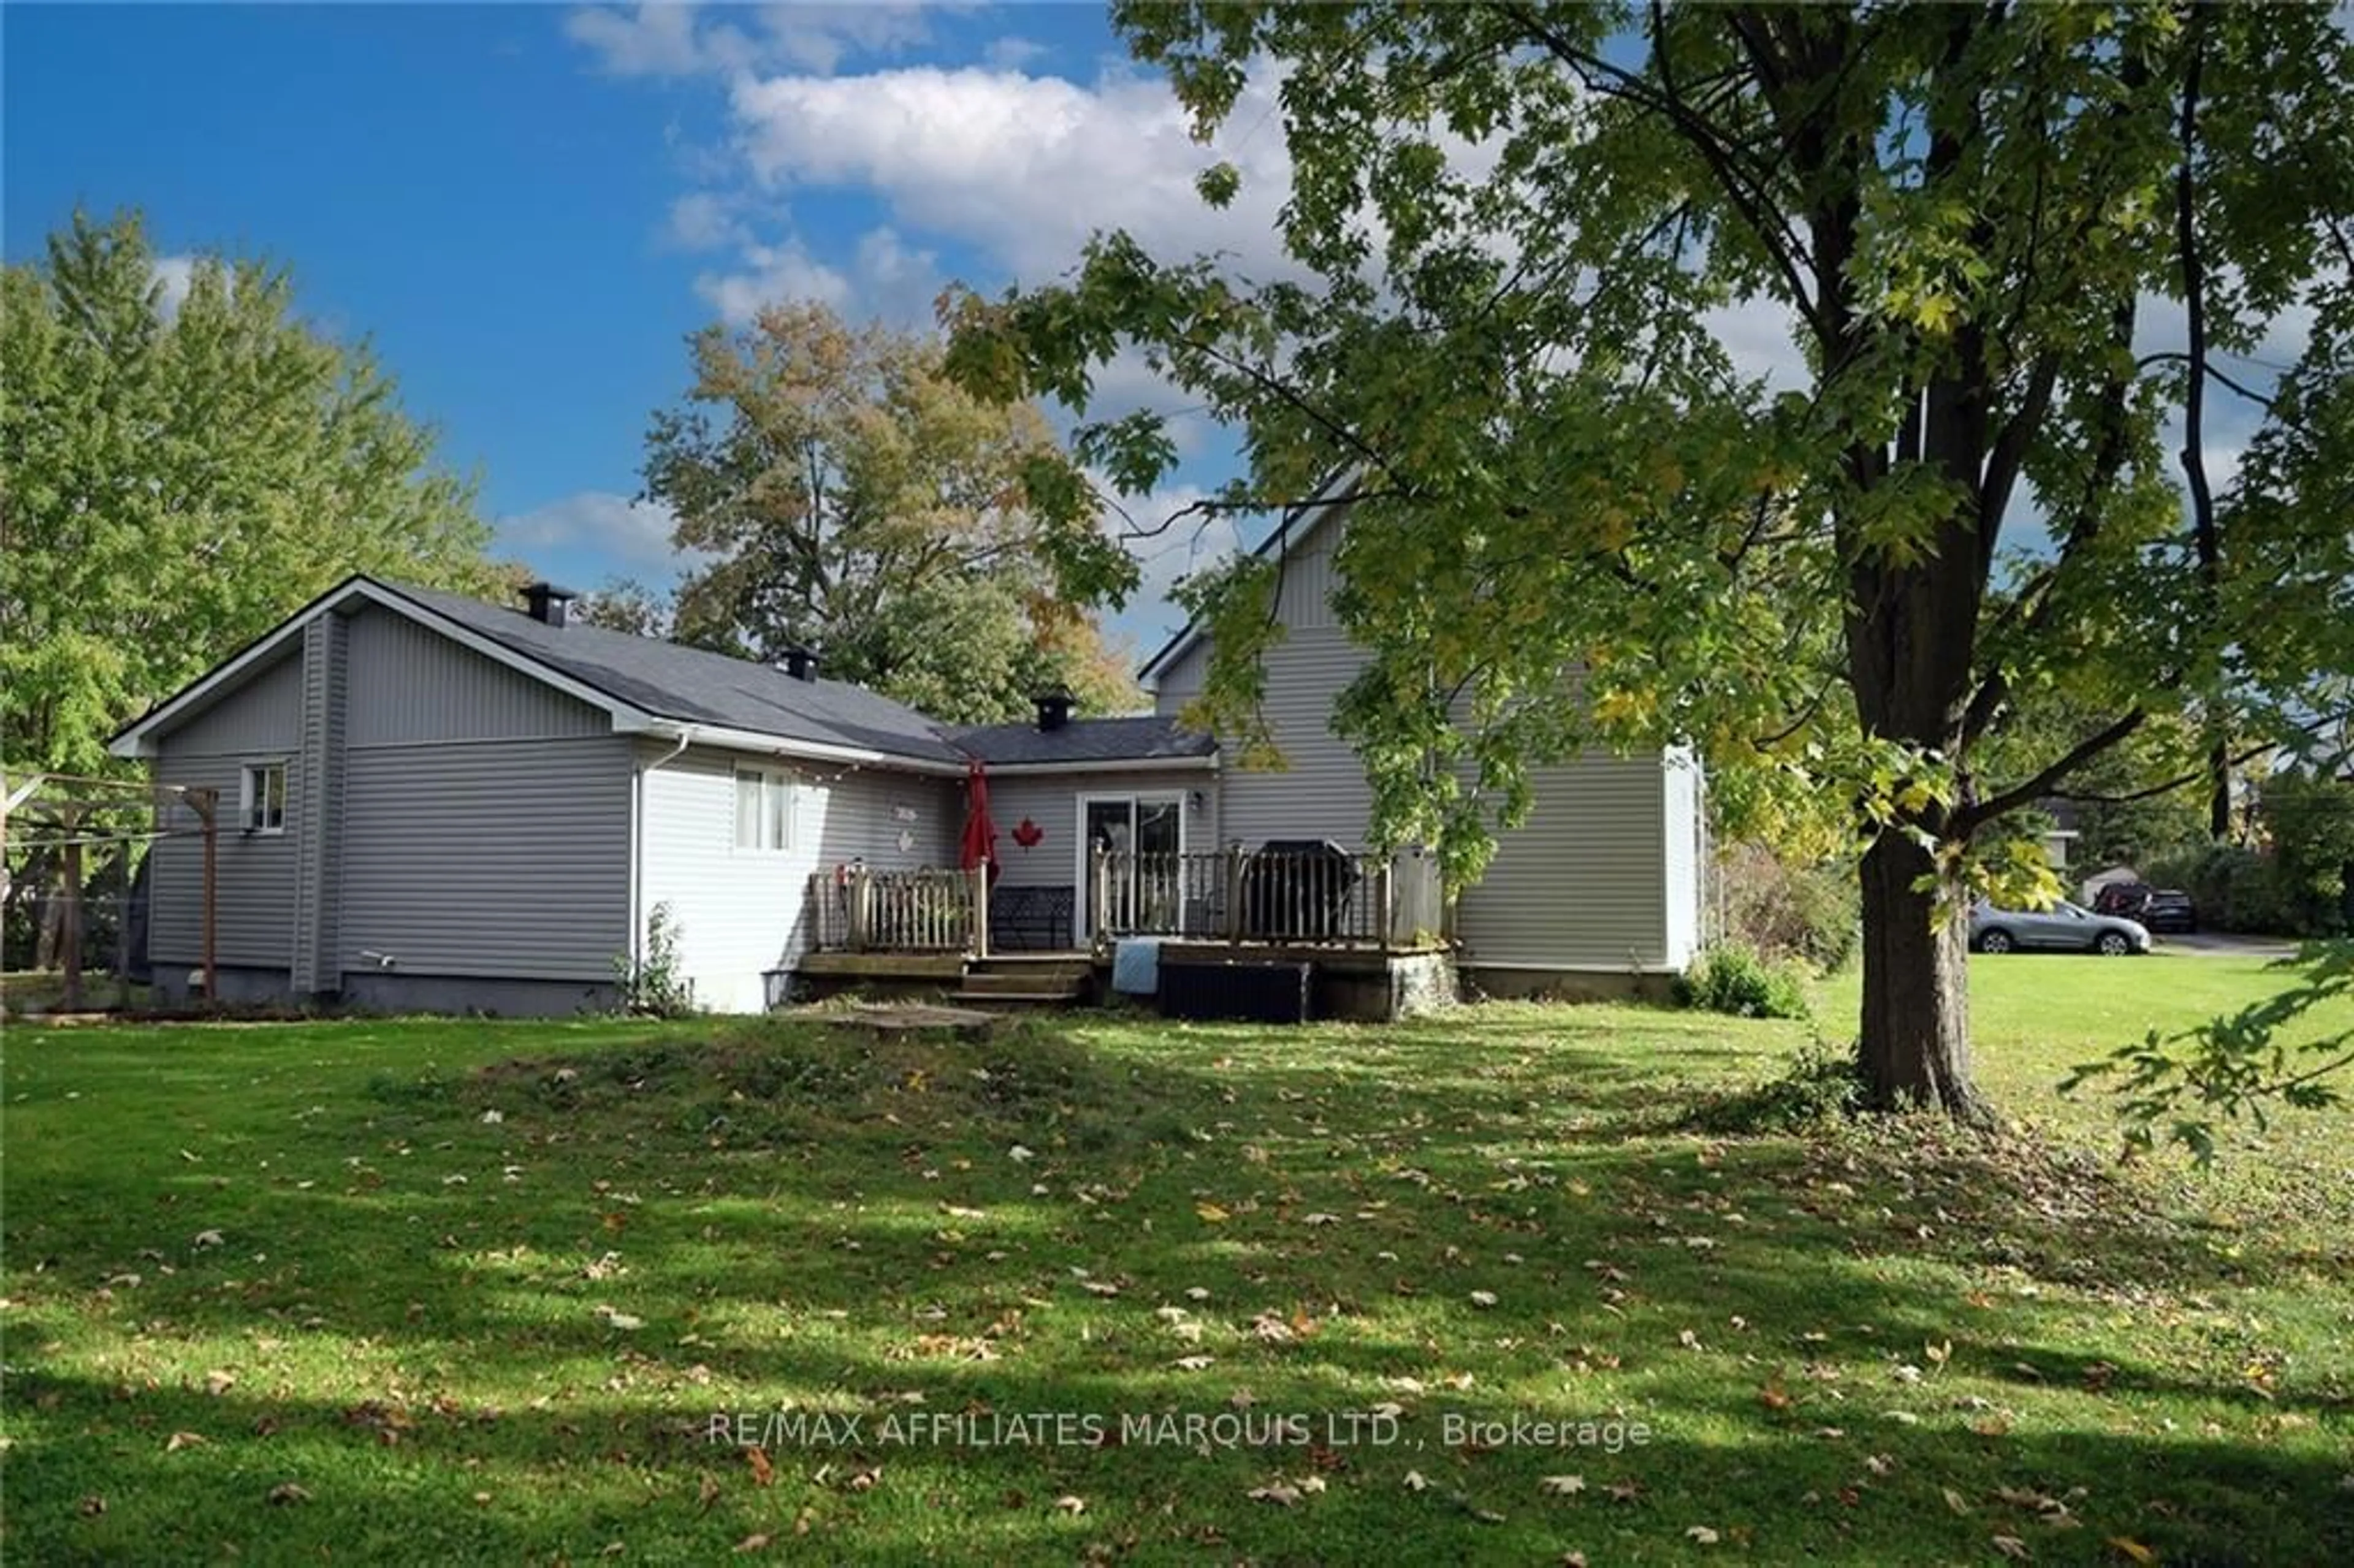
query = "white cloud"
x=772 y=274
x=1166 y=545
x=661 y=40
x=668 y=39
x=1011 y=53
x=1760 y=335
x=175 y=276
x=632 y=534
x=885 y=277
x=1025 y=168
x=705 y=221
x=819 y=38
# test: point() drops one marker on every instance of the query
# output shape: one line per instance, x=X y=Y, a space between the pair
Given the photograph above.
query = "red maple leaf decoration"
x=1027 y=833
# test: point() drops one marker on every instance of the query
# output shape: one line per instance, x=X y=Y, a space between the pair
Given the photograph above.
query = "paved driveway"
x=2224 y=944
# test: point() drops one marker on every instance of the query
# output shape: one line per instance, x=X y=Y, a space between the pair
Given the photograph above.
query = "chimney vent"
x=549 y=604
x=1054 y=708
x=800 y=662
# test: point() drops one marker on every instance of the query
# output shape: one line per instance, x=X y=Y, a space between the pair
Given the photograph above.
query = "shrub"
x=654 y=985
x=2236 y=889
x=1732 y=979
x=1810 y=913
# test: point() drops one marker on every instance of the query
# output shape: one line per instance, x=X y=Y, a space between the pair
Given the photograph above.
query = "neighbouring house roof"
x=1151 y=739
x=673 y=682
x=1298 y=525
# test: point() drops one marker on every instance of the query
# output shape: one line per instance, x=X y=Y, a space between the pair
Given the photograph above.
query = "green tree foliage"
x=853 y=499
x=2309 y=820
x=2173 y=1089
x=1530 y=236
x=178 y=476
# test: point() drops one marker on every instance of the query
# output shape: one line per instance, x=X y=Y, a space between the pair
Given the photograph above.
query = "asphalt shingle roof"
x=690 y=684
x=1150 y=738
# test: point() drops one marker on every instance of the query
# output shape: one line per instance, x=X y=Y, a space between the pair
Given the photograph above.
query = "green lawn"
x=445 y=1291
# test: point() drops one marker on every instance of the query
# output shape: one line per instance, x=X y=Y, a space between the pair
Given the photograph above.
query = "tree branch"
x=1969 y=819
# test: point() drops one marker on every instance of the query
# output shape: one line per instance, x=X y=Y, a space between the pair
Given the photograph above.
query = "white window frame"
x=779 y=791
x=253 y=794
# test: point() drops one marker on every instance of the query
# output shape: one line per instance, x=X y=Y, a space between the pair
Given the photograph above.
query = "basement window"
x=261 y=798
x=764 y=811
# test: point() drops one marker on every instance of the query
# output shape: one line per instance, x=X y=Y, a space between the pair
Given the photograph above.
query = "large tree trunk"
x=1915 y=1047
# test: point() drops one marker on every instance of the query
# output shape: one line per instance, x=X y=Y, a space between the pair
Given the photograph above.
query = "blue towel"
x=1135 y=965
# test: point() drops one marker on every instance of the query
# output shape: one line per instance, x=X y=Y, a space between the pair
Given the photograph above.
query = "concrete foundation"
x=1491 y=982
x=380 y=990
x=374 y=990
x=177 y=984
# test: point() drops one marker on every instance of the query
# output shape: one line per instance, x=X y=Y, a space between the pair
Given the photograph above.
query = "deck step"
x=1037 y=981
x=987 y=982
x=986 y=999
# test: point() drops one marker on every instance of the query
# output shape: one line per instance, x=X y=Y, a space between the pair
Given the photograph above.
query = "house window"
x=261 y=798
x=764 y=809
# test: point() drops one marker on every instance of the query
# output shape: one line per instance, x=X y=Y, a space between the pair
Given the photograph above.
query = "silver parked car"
x=2064 y=927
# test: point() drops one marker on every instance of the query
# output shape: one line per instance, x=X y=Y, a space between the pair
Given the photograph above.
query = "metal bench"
x=1031 y=919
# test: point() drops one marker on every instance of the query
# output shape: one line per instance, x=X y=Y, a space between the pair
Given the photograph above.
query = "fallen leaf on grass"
x=1956 y=1501
x=754 y=1543
x=289 y=1492
x=1573 y=1560
x=1194 y=1363
x=1483 y=1298
x=1625 y=1492
x=90 y=1507
x=1018 y=1154
x=180 y=1440
x=1416 y=1482
x=2010 y=1546
x=207 y=1238
x=1212 y=1214
x=1700 y=1535
x=1068 y=1503
x=2127 y=1547
x=219 y=1383
x=1280 y=1495
x=1563 y=1486
x=764 y=1473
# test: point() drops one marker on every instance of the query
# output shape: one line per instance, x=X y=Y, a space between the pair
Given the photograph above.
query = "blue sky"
x=526 y=208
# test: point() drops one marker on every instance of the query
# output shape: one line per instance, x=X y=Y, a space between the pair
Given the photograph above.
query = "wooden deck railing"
x=1334 y=897
x=855 y=910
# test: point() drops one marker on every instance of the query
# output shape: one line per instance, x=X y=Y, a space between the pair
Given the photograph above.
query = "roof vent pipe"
x=800 y=662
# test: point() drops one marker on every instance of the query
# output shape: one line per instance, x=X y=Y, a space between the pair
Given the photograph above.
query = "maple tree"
x=1523 y=241
x=842 y=494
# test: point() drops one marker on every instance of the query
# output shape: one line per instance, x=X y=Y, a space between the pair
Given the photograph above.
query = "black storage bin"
x=1252 y=993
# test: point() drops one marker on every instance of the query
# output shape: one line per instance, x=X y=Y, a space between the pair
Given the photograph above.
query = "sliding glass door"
x=1146 y=836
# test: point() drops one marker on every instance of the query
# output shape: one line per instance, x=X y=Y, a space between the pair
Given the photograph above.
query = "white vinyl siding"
x=765 y=811
x=1052 y=804
x=741 y=916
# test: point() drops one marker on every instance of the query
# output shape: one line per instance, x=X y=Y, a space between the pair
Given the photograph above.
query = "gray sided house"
x=433 y=804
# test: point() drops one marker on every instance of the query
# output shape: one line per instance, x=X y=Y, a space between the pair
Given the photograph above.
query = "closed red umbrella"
x=979 y=843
